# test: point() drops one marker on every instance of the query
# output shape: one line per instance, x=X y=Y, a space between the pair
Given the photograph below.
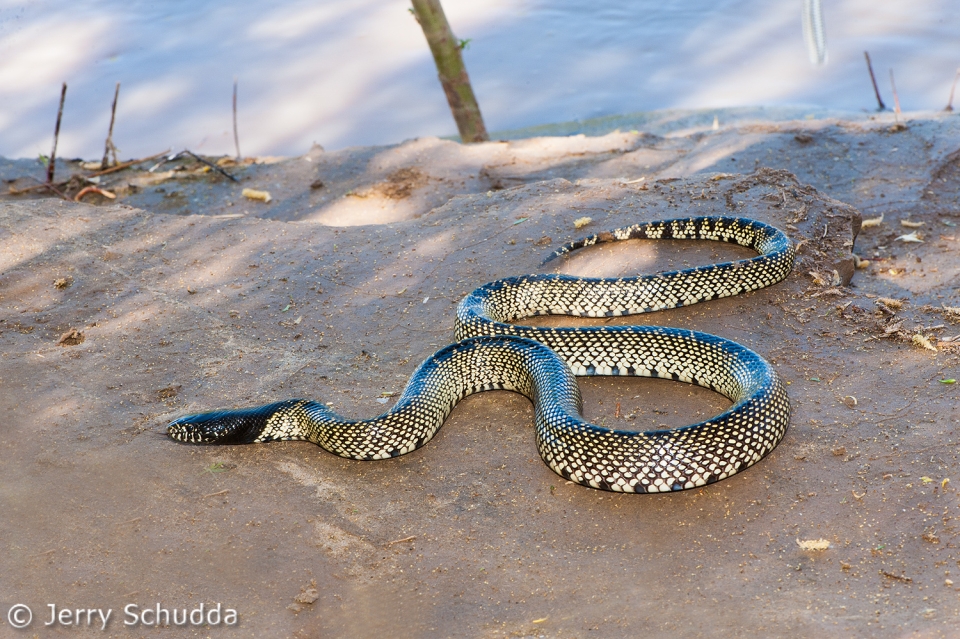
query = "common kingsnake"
x=541 y=363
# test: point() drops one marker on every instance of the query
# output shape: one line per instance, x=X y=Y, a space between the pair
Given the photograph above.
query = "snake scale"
x=541 y=363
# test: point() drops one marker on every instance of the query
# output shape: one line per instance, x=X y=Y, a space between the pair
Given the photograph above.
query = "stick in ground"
x=56 y=135
x=880 y=105
x=896 y=99
x=236 y=138
x=108 y=147
x=953 y=87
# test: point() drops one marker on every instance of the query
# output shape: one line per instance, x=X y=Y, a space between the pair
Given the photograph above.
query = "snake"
x=493 y=352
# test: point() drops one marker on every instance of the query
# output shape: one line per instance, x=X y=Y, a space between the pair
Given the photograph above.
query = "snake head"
x=222 y=427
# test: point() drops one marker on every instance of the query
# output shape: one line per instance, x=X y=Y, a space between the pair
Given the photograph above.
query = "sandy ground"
x=183 y=296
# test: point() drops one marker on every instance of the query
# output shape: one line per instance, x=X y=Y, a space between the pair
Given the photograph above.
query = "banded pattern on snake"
x=541 y=363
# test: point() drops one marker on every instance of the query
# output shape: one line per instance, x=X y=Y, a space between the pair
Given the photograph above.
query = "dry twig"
x=37 y=187
x=202 y=161
x=94 y=189
x=880 y=105
x=120 y=167
x=896 y=98
x=108 y=147
x=56 y=135
x=953 y=87
x=890 y=575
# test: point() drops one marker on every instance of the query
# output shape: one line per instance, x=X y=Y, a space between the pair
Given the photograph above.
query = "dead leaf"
x=911 y=237
x=813 y=544
x=893 y=328
x=922 y=341
x=308 y=594
x=73 y=337
x=254 y=194
x=891 y=303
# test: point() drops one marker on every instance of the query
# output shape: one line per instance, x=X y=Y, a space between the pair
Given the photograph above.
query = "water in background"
x=358 y=72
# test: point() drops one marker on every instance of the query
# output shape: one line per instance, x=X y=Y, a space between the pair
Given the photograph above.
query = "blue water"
x=357 y=72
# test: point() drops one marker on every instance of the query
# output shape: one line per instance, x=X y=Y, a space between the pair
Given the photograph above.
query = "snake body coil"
x=541 y=363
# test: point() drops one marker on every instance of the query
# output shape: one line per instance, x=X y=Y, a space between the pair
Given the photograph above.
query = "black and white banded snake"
x=541 y=363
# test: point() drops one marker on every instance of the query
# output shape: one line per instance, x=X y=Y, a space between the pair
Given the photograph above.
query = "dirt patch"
x=473 y=535
x=400 y=184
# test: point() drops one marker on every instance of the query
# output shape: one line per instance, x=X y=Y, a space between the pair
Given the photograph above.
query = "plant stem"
x=451 y=70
